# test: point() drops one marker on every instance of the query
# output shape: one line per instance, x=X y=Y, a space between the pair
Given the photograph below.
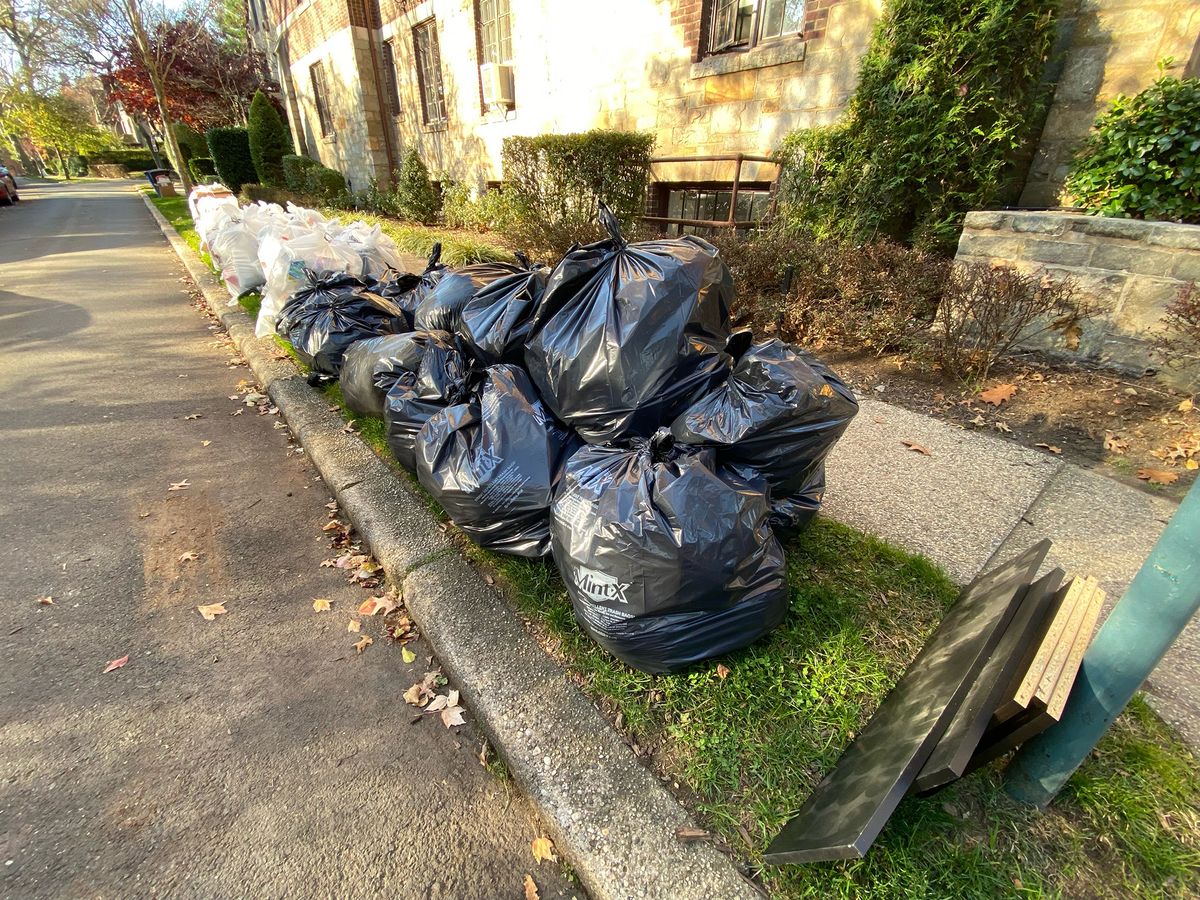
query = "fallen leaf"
x=543 y=850
x=1114 y=444
x=722 y=671
x=978 y=421
x=254 y=398
x=421 y=692
x=363 y=643
x=192 y=416
x=116 y=664
x=998 y=394
x=333 y=525
x=1191 y=465
x=1003 y=428
x=353 y=625
x=45 y=601
x=190 y=556
x=452 y=716
x=205 y=443
x=407 y=655
x=531 y=891
x=1158 y=476
x=1049 y=447
x=320 y=604
x=374 y=605
x=1186 y=406
x=211 y=611
x=237 y=412
x=916 y=448
x=691 y=835
x=180 y=485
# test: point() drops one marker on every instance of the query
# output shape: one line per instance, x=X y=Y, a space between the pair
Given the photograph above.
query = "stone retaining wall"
x=1130 y=268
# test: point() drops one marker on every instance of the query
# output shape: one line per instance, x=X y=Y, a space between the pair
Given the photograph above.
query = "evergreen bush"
x=415 y=197
x=191 y=142
x=1142 y=160
x=949 y=94
x=324 y=184
x=230 y=151
x=202 y=169
x=270 y=140
x=295 y=171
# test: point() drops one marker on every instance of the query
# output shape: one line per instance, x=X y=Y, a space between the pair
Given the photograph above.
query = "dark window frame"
x=320 y=89
x=428 y=60
x=391 y=78
x=712 y=42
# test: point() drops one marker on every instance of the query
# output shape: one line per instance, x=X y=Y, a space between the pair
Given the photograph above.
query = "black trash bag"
x=371 y=367
x=331 y=312
x=495 y=322
x=494 y=461
x=441 y=307
x=445 y=377
x=779 y=413
x=629 y=334
x=407 y=289
x=668 y=560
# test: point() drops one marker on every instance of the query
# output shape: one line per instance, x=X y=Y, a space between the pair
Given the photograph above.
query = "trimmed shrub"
x=191 y=142
x=558 y=178
x=253 y=193
x=325 y=184
x=230 y=151
x=295 y=171
x=1179 y=346
x=415 y=198
x=949 y=94
x=202 y=169
x=1142 y=159
x=269 y=140
x=135 y=160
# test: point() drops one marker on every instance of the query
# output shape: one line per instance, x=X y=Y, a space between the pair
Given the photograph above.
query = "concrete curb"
x=609 y=816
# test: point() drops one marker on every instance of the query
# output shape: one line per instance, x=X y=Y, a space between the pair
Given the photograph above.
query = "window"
x=429 y=72
x=710 y=203
x=495 y=31
x=316 y=73
x=389 y=78
x=741 y=24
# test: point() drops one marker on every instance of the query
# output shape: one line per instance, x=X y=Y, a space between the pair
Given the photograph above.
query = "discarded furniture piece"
x=848 y=809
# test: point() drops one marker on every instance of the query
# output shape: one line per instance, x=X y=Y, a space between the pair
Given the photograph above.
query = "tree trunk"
x=65 y=165
x=168 y=132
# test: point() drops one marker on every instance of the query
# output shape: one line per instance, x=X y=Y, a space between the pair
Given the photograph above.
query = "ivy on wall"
x=949 y=94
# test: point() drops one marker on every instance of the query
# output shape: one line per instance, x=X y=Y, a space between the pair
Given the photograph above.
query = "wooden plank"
x=1057 y=701
x=1027 y=687
x=997 y=742
x=1060 y=656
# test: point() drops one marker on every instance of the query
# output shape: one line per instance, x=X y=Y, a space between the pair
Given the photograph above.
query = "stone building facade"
x=366 y=80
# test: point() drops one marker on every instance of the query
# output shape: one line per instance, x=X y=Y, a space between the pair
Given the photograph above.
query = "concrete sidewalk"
x=976 y=500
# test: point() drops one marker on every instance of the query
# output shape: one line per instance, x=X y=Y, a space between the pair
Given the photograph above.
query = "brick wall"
x=1129 y=268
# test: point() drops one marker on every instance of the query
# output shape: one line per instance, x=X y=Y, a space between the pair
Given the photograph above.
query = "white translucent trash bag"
x=284 y=261
x=234 y=250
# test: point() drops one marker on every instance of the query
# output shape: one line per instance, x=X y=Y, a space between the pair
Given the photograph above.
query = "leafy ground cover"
x=743 y=739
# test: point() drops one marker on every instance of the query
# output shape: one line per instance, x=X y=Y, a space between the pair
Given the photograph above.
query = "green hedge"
x=325 y=184
x=253 y=193
x=295 y=171
x=949 y=95
x=191 y=142
x=202 y=168
x=230 y=150
x=136 y=160
x=1143 y=159
x=269 y=140
x=557 y=178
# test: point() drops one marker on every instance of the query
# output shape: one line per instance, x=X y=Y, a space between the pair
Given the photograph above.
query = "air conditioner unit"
x=497 y=85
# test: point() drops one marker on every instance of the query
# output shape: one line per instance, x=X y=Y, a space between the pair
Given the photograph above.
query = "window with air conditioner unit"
x=494 y=34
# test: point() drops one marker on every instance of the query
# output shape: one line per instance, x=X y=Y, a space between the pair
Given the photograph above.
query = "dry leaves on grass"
x=543 y=850
x=211 y=611
x=531 y=891
x=722 y=671
x=999 y=394
x=916 y=448
x=1158 y=476
x=116 y=664
x=320 y=604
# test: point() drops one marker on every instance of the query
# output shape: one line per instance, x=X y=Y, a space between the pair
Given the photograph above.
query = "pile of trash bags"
x=602 y=411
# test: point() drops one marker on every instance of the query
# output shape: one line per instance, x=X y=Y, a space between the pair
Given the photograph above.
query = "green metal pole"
x=1160 y=600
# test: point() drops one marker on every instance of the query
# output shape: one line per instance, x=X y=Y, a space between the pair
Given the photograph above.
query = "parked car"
x=9 y=183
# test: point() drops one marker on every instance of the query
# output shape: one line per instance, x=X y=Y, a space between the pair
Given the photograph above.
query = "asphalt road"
x=257 y=755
